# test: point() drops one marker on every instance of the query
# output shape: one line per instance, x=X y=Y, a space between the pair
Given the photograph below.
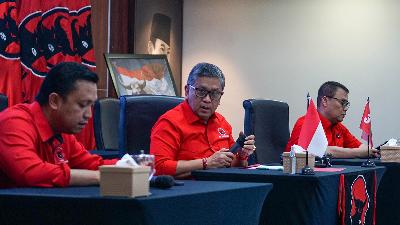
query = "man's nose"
x=88 y=113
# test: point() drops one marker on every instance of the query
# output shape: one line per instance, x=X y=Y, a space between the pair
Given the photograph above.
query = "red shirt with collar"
x=31 y=156
x=336 y=134
x=180 y=134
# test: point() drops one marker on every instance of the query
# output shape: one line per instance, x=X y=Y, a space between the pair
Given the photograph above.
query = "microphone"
x=239 y=144
x=164 y=182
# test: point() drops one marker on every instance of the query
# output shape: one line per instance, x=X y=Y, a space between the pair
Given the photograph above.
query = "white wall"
x=281 y=49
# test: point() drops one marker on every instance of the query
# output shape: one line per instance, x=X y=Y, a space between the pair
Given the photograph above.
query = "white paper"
x=127 y=161
x=391 y=142
x=264 y=167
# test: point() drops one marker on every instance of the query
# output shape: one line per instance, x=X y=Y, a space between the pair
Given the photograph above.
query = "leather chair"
x=268 y=120
x=138 y=114
x=3 y=102
x=105 y=123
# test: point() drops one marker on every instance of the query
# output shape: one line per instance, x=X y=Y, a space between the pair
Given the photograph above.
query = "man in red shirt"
x=193 y=136
x=332 y=105
x=37 y=145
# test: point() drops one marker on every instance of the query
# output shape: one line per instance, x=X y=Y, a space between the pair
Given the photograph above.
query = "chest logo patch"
x=222 y=133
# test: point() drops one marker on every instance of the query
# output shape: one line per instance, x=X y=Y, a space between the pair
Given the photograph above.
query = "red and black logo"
x=9 y=45
x=359 y=201
x=54 y=36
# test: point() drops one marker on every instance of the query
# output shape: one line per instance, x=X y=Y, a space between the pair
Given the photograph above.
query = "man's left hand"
x=249 y=145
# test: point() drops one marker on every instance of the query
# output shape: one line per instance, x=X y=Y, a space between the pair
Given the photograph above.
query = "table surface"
x=295 y=199
x=196 y=202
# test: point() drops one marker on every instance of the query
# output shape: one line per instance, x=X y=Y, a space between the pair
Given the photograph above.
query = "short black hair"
x=329 y=89
x=206 y=70
x=61 y=79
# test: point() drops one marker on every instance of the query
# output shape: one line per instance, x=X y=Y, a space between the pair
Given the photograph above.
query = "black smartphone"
x=238 y=144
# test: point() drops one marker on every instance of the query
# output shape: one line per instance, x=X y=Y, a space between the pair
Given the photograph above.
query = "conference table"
x=196 y=202
x=388 y=195
x=295 y=199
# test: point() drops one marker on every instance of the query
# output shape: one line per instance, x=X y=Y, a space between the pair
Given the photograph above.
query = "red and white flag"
x=365 y=124
x=312 y=134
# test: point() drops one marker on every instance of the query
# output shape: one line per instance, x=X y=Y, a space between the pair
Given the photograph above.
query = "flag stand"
x=307 y=170
x=368 y=162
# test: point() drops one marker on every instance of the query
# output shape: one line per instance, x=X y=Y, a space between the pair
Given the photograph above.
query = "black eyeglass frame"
x=345 y=104
x=202 y=93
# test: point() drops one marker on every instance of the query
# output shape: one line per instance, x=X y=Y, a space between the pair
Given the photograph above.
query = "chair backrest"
x=268 y=120
x=3 y=102
x=138 y=114
x=106 y=120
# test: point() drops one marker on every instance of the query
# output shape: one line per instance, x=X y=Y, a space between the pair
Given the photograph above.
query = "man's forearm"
x=84 y=177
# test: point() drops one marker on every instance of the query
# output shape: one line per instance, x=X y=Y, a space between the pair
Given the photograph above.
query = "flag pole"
x=307 y=170
x=368 y=162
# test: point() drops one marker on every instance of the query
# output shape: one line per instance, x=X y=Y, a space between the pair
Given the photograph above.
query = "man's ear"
x=186 y=92
x=150 y=47
x=324 y=101
x=54 y=101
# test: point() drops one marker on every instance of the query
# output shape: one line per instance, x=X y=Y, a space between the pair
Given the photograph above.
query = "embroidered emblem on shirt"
x=222 y=133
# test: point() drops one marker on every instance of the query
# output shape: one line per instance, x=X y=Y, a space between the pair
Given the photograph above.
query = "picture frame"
x=160 y=19
x=136 y=74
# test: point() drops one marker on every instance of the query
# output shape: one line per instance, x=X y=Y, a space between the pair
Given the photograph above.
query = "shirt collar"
x=42 y=123
x=190 y=115
x=325 y=122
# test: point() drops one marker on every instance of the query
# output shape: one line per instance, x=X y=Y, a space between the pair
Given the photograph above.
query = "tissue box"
x=124 y=181
x=300 y=162
x=390 y=153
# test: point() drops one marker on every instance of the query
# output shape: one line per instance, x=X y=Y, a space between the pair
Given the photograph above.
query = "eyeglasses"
x=345 y=104
x=202 y=93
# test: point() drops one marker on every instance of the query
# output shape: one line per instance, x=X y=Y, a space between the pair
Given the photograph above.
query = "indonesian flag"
x=312 y=134
x=365 y=124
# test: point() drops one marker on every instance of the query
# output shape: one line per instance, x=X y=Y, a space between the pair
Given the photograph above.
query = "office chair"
x=138 y=114
x=105 y=123
x=268 y=120
x=3 y=102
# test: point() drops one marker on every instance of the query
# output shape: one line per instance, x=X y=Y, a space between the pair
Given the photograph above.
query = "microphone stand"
x=368 y=162
x=307 y=170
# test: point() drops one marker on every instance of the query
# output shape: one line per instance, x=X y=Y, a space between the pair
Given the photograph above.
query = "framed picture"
x=134 y=74
x=158 y=30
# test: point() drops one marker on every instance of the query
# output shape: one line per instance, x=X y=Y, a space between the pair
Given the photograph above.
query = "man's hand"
x=249 y=145
x=222 y=158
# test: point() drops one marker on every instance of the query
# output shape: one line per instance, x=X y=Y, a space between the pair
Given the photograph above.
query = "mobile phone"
x=238 y=144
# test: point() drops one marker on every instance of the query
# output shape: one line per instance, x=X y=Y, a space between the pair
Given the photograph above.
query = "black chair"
x=268 y=120
x=3 y=102
x=138 y=114
x=105 y=123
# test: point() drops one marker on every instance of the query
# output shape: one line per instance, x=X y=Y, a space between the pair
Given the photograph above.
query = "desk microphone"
x=164 y=182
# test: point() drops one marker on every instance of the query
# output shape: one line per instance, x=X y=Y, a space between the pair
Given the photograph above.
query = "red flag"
x=365 y=124
x=312 y=134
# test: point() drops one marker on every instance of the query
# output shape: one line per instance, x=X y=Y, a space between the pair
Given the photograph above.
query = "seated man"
x=193 y=136
x=37 y=145
x=332 y=105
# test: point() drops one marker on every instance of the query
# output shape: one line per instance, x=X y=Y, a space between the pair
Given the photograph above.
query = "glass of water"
x=145 y=160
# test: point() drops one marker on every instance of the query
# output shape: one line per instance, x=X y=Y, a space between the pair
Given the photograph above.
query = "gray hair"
x=206 y=70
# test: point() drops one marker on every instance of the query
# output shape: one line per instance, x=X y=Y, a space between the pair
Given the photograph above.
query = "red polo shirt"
x=337 y=134
x=180 y=134
x=31 y=156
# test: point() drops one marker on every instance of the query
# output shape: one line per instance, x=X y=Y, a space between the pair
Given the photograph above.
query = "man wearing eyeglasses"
x=193 y=136
x=332 y=105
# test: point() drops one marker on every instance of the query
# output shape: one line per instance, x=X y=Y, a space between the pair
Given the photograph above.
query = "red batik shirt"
x=336 y=134
x=31 y=155
x=180 y=134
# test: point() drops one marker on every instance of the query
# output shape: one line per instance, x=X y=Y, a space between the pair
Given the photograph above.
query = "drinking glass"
x=145 y=160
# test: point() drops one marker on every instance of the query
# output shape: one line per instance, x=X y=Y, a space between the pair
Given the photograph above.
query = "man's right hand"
x=222 y=158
